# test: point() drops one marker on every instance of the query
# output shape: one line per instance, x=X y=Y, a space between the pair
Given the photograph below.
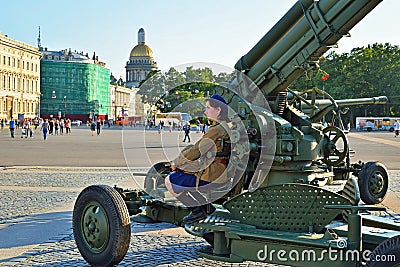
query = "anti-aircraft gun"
x=281 y=155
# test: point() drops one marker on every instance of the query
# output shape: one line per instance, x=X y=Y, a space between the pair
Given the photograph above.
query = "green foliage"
x=174 y=89
x=364 y=72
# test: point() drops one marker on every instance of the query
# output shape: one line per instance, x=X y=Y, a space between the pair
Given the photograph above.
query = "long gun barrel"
x=321 y=103
x=299 y=39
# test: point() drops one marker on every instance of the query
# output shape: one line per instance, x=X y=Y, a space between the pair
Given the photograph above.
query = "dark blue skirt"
x=184 y=182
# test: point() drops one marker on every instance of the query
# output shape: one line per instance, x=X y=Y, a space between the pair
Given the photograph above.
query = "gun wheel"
x=373 y=181
x=101 y=225
x=386 y=253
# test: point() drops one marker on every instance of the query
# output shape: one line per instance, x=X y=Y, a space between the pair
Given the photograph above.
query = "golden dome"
x=141 y=50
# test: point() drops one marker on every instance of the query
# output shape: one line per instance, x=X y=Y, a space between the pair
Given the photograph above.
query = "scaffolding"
x=74 y=89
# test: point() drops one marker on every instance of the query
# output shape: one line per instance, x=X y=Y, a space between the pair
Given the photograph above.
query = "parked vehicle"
x=76 y=122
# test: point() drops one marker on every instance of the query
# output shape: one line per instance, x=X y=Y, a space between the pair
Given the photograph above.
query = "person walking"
x=98 y=126
x=92 y=127
x=67 y=124
x=61 y=126
x=12 y=127
x=186 y=129
x=396 y=128
x=45 y=129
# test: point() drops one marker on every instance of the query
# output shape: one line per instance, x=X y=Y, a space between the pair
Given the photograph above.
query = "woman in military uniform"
x=201 y=164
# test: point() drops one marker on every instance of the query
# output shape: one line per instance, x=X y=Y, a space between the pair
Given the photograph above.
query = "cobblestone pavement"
x=145 y=250
x=32 y=191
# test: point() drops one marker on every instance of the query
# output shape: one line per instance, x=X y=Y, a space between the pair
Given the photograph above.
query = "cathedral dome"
x=141 y=50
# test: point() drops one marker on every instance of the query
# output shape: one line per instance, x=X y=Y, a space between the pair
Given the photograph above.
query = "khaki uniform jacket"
x=200 y=159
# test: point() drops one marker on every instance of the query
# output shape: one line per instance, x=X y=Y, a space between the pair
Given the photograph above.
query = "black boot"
x=196 y=214
x=209 y=209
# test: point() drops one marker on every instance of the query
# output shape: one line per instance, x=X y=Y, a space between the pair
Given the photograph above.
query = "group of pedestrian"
x=46 y=126
x=95 y=126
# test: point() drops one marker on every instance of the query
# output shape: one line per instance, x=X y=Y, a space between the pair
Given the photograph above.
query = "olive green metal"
x=268 y=40
x=376 y=183
x=164 y=212
x=355 y=101
x=220 y=243
x=290 y=207
x=95 y=227
x=354 y=223
x=324 y=24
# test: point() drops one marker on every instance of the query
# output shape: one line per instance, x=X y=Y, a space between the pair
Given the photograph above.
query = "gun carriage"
x=280 y=156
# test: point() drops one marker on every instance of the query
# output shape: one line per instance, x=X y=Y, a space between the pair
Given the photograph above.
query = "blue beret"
x=219 y=98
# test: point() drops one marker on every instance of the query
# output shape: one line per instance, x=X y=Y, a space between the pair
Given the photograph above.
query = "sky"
x=178 y=31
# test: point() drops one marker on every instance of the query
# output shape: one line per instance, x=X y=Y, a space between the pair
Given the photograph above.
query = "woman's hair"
x=215 y=103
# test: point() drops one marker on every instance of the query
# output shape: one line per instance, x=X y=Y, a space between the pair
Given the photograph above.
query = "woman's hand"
x=173 y=167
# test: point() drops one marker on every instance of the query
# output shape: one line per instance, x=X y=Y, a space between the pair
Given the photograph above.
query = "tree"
x=364 y=72
x=174 y=91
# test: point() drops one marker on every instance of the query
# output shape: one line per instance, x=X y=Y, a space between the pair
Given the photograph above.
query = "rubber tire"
x=366 y=171
x=118 y=221
x=388 y=247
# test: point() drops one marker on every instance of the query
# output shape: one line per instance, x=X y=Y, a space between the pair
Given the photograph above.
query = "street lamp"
x=38 y=106
x=65 y=106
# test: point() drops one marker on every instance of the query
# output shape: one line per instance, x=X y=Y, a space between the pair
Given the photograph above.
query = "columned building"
x=19 y=79
x=141 y=62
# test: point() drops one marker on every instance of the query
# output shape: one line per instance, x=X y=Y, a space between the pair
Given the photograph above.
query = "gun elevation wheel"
x=101 y=225
x=337 y=146
x=373 y=181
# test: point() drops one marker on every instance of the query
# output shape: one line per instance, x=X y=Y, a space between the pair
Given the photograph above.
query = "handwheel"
x=101 y=225
x=373 y=181
x=315 y=95
x=337 y=146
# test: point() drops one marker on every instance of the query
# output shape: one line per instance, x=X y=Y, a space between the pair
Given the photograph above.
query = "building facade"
x=74 y=86
x=141 y=62
x=120 y=99
x=19 y=79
